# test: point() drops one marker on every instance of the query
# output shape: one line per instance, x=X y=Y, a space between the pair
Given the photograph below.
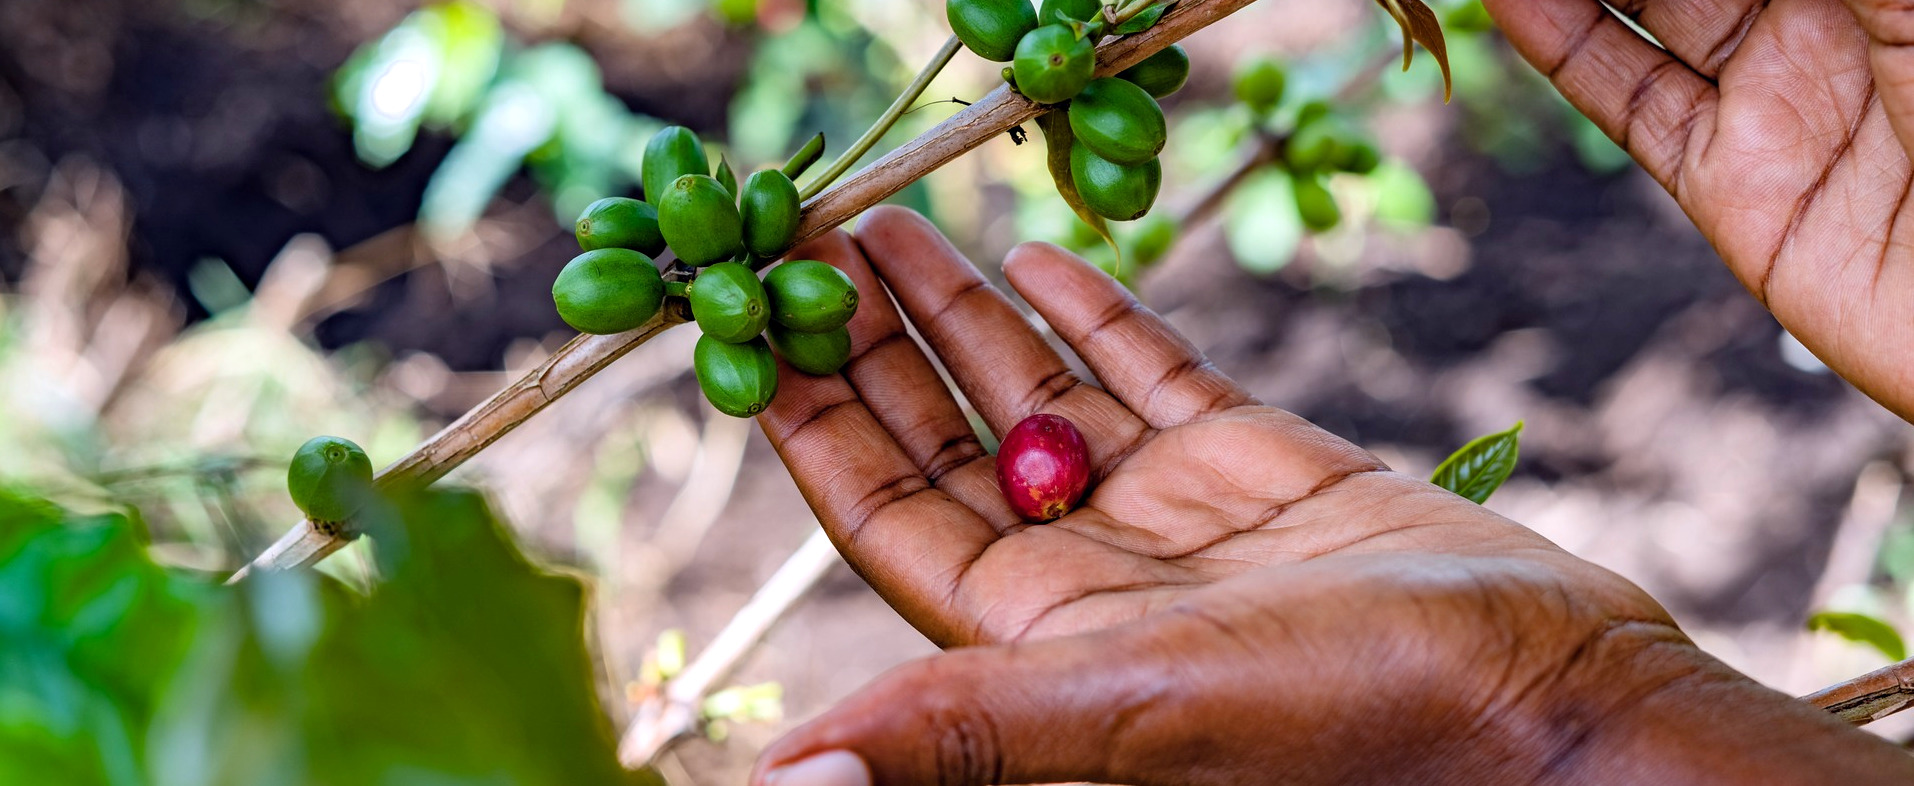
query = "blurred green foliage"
x=465 y=665
x=450 y=68
x=1862 y=629
x=430 y=70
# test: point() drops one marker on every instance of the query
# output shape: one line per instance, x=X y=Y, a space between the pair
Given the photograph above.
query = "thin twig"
x=566 y=369
x=883 y=126
x=676 y=710
x=1262 y=150
x=998 y=112
x=1869 y=697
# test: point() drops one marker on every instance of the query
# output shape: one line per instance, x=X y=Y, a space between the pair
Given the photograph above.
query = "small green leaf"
x=1861 y=629
x=1480 y=467
x=726 y=177
x=1057 y=135
x=1144 y=20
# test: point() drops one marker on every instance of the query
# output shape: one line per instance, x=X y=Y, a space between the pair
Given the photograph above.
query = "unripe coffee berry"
x=329 y=479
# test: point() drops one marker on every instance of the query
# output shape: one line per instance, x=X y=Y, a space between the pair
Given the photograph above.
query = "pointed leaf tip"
x=1420 y=25
x=1482 y=466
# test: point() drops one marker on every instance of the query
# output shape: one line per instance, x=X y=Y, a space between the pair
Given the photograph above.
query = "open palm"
x=1774 y=128
x=1194 y=483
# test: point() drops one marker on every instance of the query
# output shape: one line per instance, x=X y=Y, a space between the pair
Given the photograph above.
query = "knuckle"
x=965 y=745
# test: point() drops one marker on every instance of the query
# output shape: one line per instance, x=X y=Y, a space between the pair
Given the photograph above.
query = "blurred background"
x=229 y=225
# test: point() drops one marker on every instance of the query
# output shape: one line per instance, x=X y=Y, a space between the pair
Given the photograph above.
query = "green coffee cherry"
x=700 y=221
x=1313 y=146
x=770 y=209
x=620 y=222
x=1112 y=190
x=811 y=297
x=991 y=28
x=729 y=303
x=817 y=354
x=610 y=290
x=1056 y=12
x=1053 y=64
x=1312 y=111
x=1162 y=73
x=1260 y=83
x=672 y=153
x=1315 y=204
x=739 y=379
x=1358 y=156
x=329 y=479
x=1118 y=121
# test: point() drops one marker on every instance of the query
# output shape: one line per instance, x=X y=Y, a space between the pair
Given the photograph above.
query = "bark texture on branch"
x=566 y=369
x=1869 y=697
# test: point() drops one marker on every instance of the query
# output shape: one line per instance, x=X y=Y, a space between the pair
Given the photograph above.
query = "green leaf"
x=1862 y=629
x=1260 y=222
x=470 y=40
x=390 y=84
x=726 y=177
x=516 y=120
x=1403 y=199
x=466 y=665
x=1144 y=20
x=1480 y=467
x=77 y=600
x=1059 y=138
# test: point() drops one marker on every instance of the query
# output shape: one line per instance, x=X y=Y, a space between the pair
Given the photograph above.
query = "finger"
x=1701 y=33
x=1006 y=370
x=1033 y=713
x=1226 y=686
x=1890 y=29
x=1653 y=105
x=912 y=542
x=1143 y=361
x=904 y=392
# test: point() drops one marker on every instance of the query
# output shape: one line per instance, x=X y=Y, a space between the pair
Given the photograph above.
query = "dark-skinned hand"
x=1773 y=123
x=1243 y=598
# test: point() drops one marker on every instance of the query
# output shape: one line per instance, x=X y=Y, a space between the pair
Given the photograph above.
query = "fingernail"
x=836 y=768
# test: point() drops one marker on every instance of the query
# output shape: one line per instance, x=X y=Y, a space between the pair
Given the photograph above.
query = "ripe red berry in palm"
x=1043 y=467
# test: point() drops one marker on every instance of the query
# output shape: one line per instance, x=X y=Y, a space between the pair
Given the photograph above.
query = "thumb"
x=1890 y=28
x=1057 y=710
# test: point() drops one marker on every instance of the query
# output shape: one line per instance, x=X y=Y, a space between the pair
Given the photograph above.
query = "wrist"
x=1640 y=703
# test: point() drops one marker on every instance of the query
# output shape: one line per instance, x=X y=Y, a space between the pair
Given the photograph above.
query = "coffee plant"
x=271 y=678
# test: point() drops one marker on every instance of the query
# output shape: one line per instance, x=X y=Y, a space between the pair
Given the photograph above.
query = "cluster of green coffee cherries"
x=1316 y=141
x=723 y=232
x=1118 y=129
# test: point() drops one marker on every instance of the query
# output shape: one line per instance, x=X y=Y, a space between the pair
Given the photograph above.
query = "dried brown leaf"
x=1420 y=25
